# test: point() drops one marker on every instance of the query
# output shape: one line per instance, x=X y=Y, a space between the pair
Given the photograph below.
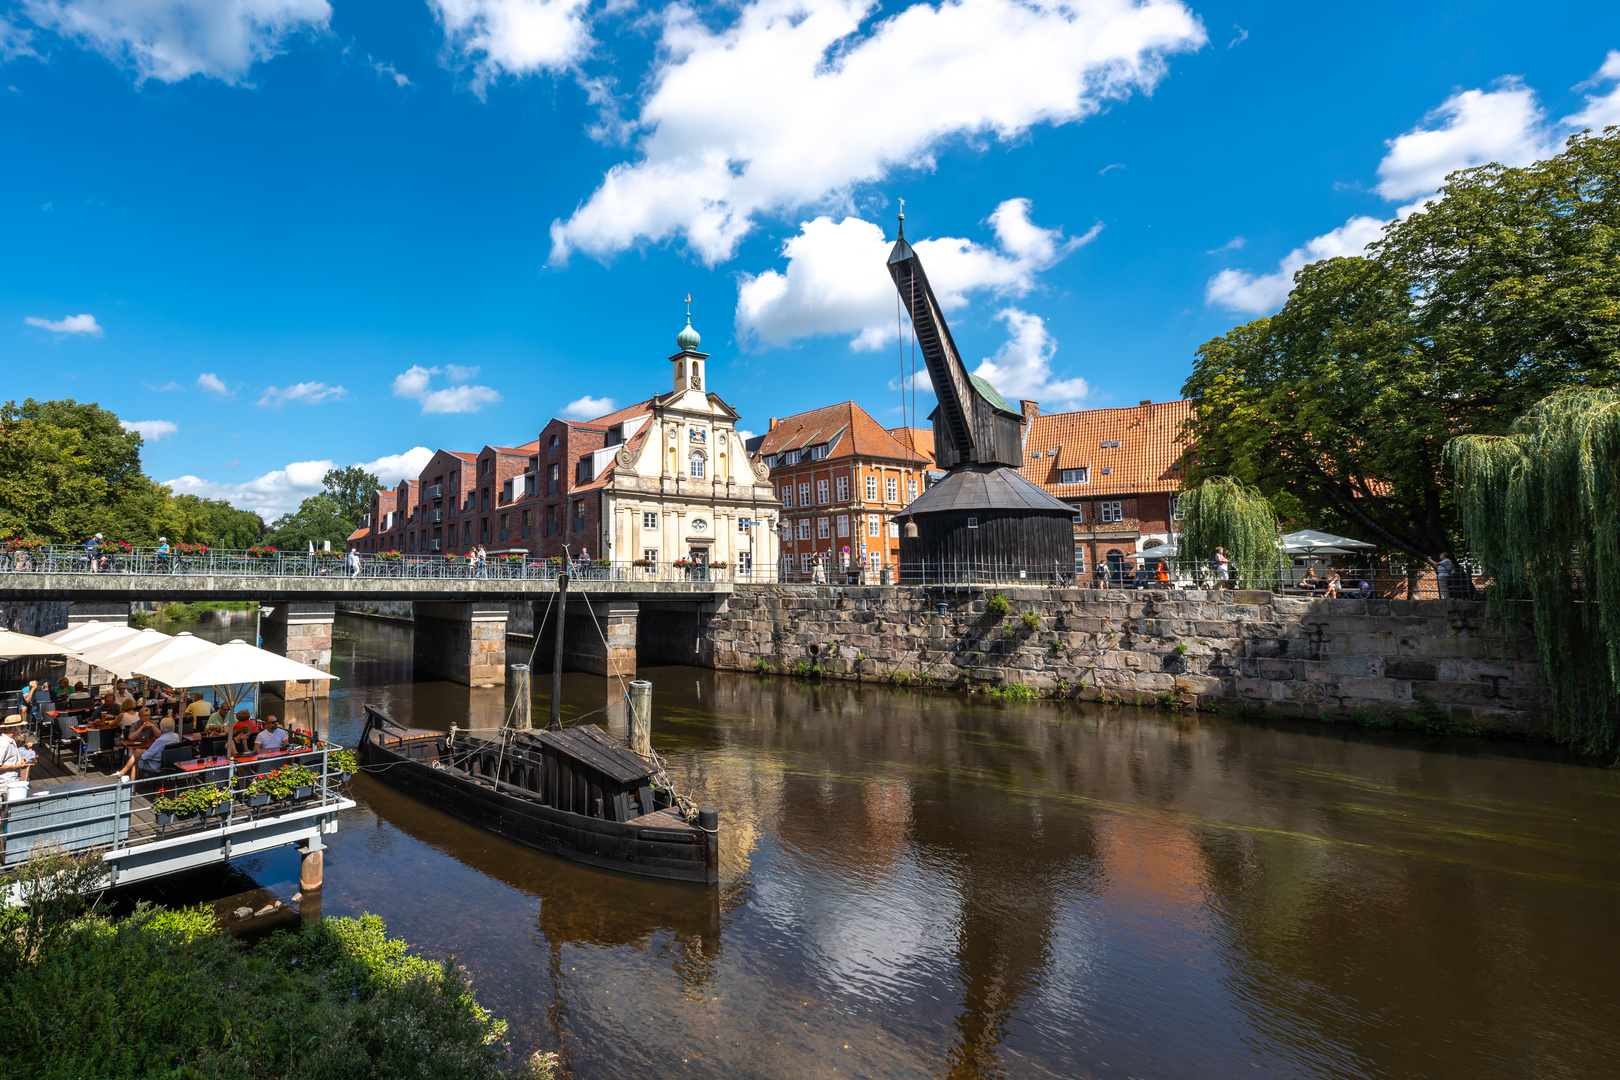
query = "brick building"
x=839 y=478
x=1119 y=468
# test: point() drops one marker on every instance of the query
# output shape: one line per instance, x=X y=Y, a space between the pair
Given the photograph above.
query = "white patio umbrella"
x=229 y=666
x=83 y=634
x=13 y=645
x=1311 y=539
x=133 y=652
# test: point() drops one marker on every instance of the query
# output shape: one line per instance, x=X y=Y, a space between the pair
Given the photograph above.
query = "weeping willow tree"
x=1221 y=512
x=1541 y=508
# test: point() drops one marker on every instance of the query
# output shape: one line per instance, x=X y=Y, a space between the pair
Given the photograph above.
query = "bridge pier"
x=583 y=646
x=464 y=642
x=677 y=633
x=301 y=632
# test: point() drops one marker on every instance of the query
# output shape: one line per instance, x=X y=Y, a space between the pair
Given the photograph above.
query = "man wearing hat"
x=14 y=759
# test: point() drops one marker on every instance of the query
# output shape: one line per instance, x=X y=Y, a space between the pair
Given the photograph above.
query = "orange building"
x=840 y=478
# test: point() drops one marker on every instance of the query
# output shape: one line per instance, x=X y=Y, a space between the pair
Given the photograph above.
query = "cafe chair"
x=96 y=742
x=67 y=739
x=173 y=755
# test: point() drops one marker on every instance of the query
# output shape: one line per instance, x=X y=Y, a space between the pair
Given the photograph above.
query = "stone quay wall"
x=1250 y=651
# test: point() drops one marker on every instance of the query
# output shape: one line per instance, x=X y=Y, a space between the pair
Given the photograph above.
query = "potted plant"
x=192 y=803
x=261 y=552
x=288 y=782
x=717 y=565
x=341 y=764
x=682 y=564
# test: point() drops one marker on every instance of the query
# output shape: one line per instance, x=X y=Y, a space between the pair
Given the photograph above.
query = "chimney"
x=1030 y=409
x=772 y=426
x=1145 y=401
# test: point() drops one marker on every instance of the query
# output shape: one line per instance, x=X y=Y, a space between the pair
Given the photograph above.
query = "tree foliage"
x=1465 y=314
x=333 y=513
x=1542 y=506
x=68 y=470
x=1220 y=512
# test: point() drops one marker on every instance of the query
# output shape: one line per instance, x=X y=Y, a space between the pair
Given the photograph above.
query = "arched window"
x=697 y=465
x=552 y=445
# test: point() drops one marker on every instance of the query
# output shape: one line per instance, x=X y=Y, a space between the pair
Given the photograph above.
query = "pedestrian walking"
x=92 y=551
x=481 y=558
x=354 y=562
x=1223 y=568
x=1445 y=571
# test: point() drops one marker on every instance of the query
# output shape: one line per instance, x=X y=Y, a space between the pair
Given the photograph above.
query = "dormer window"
x=817 y=453
x=552 y=446
x=1075 y=476
x=791 y=457
x=615 y=435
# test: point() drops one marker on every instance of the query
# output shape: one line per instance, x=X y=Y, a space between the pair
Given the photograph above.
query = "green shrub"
x=1012 y=692
x=997 y=605
x=1056 y=646
x=1181 y=648
x=1031 y=620
x=763 y=666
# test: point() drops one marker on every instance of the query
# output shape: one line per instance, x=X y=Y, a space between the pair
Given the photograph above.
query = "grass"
x=763 y=666
x=1011 y=692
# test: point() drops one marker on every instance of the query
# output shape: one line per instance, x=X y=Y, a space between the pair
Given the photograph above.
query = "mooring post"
x=709 y=822
x=522 y=713
x=309 y=866
x=641 y=717
x=556 y=661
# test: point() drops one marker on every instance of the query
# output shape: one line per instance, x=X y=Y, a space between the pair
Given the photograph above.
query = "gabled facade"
x=839 y=478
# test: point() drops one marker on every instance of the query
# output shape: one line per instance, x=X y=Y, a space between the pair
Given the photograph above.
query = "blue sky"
x=286 y=233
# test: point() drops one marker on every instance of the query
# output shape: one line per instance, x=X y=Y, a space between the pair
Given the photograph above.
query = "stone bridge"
x=460 y=622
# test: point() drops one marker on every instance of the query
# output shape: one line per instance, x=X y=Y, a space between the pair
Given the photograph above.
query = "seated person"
x=151 y=761
x=272 y=739
x=1364 y=588
x=242 y=733
x=1162 y=574
x=199 y=711
x=1335 y=586
x=15 y=759
x=129 y=719
x=1310 y=582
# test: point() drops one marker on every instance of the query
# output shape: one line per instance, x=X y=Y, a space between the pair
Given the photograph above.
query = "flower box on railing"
x=682 y=564
x=646 y=564
x=261 y=552
x=388 y=556
x=717 y=566
x=191 y=549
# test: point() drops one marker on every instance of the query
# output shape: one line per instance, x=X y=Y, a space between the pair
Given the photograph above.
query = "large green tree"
x=1499 y=292
x=331 y=514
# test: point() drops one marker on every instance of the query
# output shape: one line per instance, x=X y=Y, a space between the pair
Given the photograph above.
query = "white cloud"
x=458 y=374
x=1022 y=368
x=304 y=393
x=1474 y=127
x=281 y=490
x=1257 y=294
x=15 y=41
x=414 y=384
x=589 y=408
x=151 y=430
x=73 y=324
x=836 y=281
x=389 y=71
x=1505 y=125
x=756 y=118
x=213 y=384
x=514 y=37
x=392 y=468
x=171 y=40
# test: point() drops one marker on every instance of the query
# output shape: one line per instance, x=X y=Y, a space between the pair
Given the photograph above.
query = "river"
x=922 y=885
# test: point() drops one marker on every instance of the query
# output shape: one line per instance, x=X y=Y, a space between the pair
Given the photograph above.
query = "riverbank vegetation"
x=165 y=994
x=187 y=612
x=1496 y=294
x=1221 y=512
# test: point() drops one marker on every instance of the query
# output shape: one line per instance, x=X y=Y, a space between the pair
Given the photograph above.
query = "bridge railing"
x=268 y=563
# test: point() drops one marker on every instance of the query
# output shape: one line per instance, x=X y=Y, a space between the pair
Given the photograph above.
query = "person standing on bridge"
x=480 y=562
x=92 y=551
x=354 y=562
x=163 y=555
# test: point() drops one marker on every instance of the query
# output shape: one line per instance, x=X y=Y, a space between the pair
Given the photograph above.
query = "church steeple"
x=689 y=361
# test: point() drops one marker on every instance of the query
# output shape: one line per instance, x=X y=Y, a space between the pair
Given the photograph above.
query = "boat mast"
x=556 y=659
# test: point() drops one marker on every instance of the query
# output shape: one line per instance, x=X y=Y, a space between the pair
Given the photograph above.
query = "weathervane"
x=689 y=306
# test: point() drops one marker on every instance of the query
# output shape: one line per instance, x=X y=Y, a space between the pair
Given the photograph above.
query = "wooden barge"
x=577 y=793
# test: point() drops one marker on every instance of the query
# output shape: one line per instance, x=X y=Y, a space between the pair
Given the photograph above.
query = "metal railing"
x=113 y=816
x=62 y=559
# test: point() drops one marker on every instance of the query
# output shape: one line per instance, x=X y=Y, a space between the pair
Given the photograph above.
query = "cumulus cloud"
x=15 y=41
x=1504 y=125
x=171 y=40
x=151 y=430
x=281 y=490
x=392 y=468
x=836 y=283
x=755 y=117
x=514 y=37
x=589 y=408
x=304 y=393
x=73 y=324
x=1239 y=290
x=415 y=384
x=214 y=385
x=1022 y=368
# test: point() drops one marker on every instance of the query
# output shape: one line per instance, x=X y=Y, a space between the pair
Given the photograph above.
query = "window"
x=506 y=492
x=791 y=457
x=506 y=521
x=804 y=494
x=787 y=496
x=1080 y=515
x=1079 y=558
x=745 y=562
x=483 y=531
x=1110 y=444
x=821 y=492
x=410 y=542
x=485 y=505
x=649 y=520
x=817 y=453
x=525 y=524
x=552 y=446
x=553 y=478
x=529 y=485
x=804 y=528
x=697 y=465
x=650 y=554
x=583 y=471
x=744 y=525
x=466 y=536
x=551 y=520
x=894 y=530
x=1075 y=476
x=843 y=524
x=579 y=515
x=804 y=563
x=874 y=525
x=891 y=490
x=823 y=528
x=1107 y=471
x=911 y=490
x=481 y=463
x=1175 y=507
x=843 y=489
x=1112 y=511
x=871 y=489
x=973 y=523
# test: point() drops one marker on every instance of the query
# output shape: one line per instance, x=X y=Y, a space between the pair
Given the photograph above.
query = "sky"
x=279 y=235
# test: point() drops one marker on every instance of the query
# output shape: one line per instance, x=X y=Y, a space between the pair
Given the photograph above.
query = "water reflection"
x=916 y=886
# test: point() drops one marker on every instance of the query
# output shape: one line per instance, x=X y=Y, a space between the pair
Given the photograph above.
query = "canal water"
x=919 y=885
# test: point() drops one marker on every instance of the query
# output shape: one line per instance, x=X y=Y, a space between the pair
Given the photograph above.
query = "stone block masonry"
x=1278 y=656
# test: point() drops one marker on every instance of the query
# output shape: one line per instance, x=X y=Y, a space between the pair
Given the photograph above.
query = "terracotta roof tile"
x=360 y=533
x=857 y=435
x=623 y=414
x=919 y=439
x=1149 y=438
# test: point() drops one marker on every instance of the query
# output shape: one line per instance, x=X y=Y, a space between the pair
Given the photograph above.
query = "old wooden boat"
x=578 y=793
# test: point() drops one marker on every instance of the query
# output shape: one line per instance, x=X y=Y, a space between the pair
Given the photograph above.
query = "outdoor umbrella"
x=234 y=664
x=83 y=634
x=1311 y=539
x=133 y=652
x=13 y=645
